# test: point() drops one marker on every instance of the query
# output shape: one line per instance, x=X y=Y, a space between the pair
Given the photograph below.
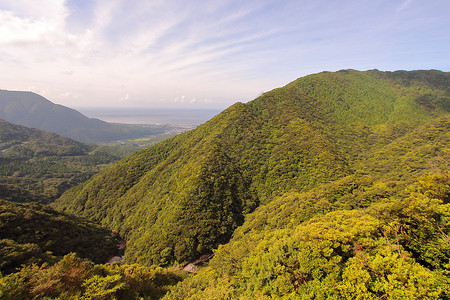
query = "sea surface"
x=150 y=115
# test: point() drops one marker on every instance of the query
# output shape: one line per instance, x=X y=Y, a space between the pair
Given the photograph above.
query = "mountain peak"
x=185 y=196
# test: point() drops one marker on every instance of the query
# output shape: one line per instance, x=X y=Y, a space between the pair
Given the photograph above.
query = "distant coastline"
x=171 y=116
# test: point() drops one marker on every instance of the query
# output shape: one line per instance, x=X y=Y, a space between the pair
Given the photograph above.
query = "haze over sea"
x=135 y=115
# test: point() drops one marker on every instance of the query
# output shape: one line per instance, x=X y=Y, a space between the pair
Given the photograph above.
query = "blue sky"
x=207 y=54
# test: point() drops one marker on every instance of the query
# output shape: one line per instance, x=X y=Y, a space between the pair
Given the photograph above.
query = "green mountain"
x=31 y=141
x=39 y=166
x=185 y=196
x=32 y=110
x=33 y=233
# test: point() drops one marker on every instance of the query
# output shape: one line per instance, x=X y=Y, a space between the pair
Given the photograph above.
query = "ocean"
x=193 y=117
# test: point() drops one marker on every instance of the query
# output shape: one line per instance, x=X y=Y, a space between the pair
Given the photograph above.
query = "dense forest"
x=334 y=186
x=33 y=233
x=39 y=166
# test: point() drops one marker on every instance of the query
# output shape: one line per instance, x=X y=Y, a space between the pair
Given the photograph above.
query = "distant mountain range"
x=32 y=110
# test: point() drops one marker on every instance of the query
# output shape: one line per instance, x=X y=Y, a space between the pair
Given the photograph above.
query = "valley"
x=39 y=166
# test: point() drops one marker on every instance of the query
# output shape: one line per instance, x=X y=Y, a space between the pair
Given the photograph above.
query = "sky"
x=207 y=53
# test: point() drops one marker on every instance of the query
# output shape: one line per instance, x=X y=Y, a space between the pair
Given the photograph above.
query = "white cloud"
x=179 y=99
x=226 y=50
x=125 y=98
x=46 y=9
x=39 y=35
x=18 y=31
x=68 y=95
x=30 y=21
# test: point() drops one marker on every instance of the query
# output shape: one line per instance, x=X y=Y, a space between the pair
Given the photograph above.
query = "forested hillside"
x=325 y=142
x=33 y=233
x=39 y=166
x=313 y=246
x=51 y=255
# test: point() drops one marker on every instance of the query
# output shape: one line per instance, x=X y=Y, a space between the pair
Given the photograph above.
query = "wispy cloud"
x=219 y=50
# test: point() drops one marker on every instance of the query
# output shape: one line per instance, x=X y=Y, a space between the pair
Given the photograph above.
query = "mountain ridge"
x=200 y=185
x=20 y=106
x=32 y=110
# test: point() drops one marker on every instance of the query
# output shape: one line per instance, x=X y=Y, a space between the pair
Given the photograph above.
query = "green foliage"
x=98 y=287
x=73 y=277
x=33 y=233
x=16 y=254
x=395 y=249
